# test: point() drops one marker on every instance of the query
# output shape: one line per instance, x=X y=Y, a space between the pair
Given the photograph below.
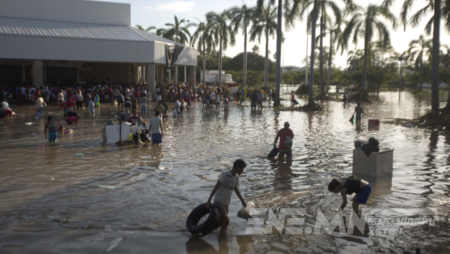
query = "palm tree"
x=222 y=32
x=402 y=58
x=437 y=8
x=178 y=33
x=365 y=23
x=149 y=29
x=266 y=24
x=205 y=42
x=417 y=51
x=334 y=31
x=240 y=18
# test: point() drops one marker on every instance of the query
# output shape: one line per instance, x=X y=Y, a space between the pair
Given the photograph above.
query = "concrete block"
x=376 y=164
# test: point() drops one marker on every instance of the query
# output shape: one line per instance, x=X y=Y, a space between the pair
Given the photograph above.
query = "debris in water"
x=79 y=155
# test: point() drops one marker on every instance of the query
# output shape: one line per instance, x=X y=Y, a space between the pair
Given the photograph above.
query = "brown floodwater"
x=136 y=198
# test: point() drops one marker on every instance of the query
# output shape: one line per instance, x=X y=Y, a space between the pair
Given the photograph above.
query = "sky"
x=159 y=12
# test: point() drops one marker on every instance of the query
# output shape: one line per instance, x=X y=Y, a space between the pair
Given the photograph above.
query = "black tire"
x=211 y=223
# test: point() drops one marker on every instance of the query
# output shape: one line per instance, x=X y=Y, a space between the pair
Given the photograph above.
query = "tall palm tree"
x=365 y=23
x=240 y=18
x=402 y=58
x=222 y=32
x=148 y=29
x=417 y=51
x=334 y=32
x=178 y=33
x=205 y=42
x=260 y=7
x=265 y=23
x=440 y=9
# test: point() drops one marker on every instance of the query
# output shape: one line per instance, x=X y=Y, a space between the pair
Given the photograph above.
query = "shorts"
x=156 y=138
x=143 y=107
x=52 y=137
x=358 y=118
x=259 y=103
x=288 y=153
x=363 y=194
x=128 y=104
x=7 y=112
x=119 y=103
x=253 y=104
x=223 y=209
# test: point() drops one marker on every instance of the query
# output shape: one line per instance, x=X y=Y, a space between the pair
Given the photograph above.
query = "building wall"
x=68 y=49
x=116 y=72
x=68 y=10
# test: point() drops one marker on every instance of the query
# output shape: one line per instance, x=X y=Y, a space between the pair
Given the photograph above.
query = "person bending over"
x=349 y=186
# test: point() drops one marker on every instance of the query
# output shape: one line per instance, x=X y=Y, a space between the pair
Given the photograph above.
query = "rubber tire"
x=211 y=223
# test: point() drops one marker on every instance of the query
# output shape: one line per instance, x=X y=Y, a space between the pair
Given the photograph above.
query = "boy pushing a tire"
x=228 y=181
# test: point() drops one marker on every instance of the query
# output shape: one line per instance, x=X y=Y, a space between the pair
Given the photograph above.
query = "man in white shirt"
x=228 y=181
x=40 y=103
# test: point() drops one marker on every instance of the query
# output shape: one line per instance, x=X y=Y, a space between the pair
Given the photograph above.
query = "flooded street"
x=136 y=198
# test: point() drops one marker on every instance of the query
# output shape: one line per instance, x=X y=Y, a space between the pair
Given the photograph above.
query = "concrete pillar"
x=135 y=74
x=176 y=75
x=38 y=73
x=150 y=74
x=160 y=74
x=191 y=76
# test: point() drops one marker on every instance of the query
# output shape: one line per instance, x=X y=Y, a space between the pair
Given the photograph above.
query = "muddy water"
x=135 y=199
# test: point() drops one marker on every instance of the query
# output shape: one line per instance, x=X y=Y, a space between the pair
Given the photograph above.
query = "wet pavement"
x=136 y=198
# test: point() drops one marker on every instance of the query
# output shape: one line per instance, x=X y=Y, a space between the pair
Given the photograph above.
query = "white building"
x=75 y=40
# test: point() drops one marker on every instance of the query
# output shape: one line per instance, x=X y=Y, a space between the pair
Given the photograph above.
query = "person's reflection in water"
x=284 y=180
x=433 y=145
x=200 y=245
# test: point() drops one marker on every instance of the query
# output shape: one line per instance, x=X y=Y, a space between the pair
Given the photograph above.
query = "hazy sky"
x=158 y=12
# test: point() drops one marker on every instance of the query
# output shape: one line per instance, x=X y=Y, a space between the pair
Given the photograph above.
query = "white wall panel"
x=68 y=10
x=159 y=54
x=48 y=48
x=188 y=57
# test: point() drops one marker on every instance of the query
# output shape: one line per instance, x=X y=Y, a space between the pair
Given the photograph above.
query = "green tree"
x=204 y=41
x=437 y=8
x=265 y=23
x=255 y=49
x=222 y=32
x=148 y=29
x=365 y=23
x=240 y=18
x=417 y=51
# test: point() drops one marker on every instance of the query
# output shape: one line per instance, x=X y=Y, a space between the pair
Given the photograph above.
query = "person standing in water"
x=156 y=128
x=358 y=112
x=227 y=183
x=52 y=130
x=349 y=186
x=283 y=134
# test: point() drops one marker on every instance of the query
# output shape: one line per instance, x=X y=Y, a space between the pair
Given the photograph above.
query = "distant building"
x=75 y=40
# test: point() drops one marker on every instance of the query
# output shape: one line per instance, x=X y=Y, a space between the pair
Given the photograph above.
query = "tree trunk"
x=204 y=63
x=366 y=56
x=266 y=67
x=401 y=75
x=313 y=43
x=329 y=61
x=277 y=73
x=220 y=62
x=321 y=52
x=435 y=64
x=245 y=55
x=420 y=73
x=306 y=67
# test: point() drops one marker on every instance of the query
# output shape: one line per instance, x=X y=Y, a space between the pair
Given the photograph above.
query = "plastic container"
x=79 y=155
